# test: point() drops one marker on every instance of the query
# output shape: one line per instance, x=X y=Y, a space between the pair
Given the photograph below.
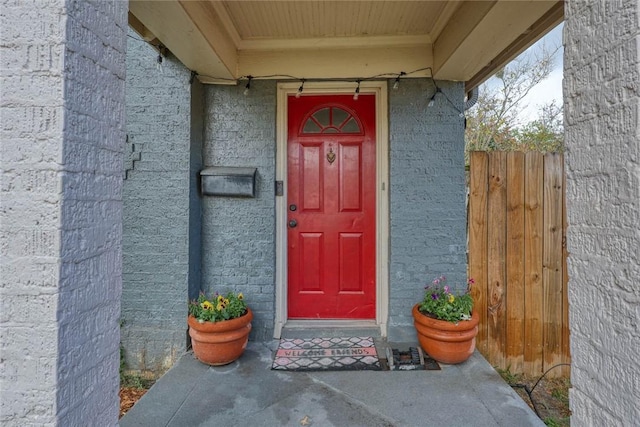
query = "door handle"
x=293 y=223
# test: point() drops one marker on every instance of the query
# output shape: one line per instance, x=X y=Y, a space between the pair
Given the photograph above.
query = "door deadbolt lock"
x=293 y=223
x=293 y=208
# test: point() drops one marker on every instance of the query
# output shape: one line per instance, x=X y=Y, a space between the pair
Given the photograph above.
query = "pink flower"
x=446 y=289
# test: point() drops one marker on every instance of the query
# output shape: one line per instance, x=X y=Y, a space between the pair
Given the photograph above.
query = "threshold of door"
x=330 y=329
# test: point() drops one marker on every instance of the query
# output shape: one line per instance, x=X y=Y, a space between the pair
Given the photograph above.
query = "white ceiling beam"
x=178 y=32
x=479 y=32
x=459 y=28
x=441 y=23
x=211 y=26
x=542 y=26
x=142 y=31
x=336 y=63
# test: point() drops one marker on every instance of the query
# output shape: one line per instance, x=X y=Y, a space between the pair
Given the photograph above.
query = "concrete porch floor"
x=249 y=393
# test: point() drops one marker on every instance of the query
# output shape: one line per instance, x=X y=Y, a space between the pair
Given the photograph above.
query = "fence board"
x=478 y=240
x=515 y=262
x=496 y=269
x=533 y=264
x=518 y=258
x=566 y=351
x=552 y=261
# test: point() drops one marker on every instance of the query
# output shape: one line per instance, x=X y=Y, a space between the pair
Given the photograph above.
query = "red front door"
x=331 y=207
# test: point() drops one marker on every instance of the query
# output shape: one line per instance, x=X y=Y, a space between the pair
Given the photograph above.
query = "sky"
x=549 y=89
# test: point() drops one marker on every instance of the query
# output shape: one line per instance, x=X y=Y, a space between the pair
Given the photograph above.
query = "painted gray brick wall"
x=428 y=216
x=156 y=209
x=602 y=124
x=239 y=234
x=195 y=200
x=428 y=191
x=63 y=134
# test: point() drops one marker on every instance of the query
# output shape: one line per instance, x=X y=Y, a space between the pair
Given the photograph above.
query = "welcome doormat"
x=326 y=354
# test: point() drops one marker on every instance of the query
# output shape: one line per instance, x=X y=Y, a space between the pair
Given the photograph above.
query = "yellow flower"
x=206 y=305
x=451 y=298
x=226 y=302
x=240 y=296
x=220 y=298
x=219 y=307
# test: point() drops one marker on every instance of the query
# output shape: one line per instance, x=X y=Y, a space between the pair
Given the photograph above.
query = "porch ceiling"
x=459 y=40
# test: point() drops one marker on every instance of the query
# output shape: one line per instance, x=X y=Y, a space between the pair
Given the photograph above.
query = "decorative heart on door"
x=331 y=156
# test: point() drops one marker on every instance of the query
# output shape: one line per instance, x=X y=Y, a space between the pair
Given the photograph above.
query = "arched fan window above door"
x=331 y=120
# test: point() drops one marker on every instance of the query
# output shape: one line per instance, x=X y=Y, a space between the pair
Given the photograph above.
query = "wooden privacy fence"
x=517 y=257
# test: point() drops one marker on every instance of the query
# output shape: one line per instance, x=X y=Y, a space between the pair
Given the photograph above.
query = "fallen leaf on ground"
x=306 y=421
x=128 y=397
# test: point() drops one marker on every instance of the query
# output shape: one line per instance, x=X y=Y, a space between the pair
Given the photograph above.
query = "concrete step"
x=329 y=329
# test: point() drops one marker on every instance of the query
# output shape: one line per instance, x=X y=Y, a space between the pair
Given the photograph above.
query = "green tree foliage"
x=493 y=123
x=543 y=134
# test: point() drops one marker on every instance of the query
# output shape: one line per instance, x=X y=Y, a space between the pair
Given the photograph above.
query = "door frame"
x=379 y=89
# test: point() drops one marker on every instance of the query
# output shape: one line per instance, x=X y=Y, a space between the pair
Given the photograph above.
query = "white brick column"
x=62 y=131
x=602 y=97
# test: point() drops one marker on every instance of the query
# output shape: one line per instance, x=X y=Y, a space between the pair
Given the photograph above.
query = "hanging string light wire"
x=436 y=91
x=302 y=80
x=390 y=75
x=358 y=80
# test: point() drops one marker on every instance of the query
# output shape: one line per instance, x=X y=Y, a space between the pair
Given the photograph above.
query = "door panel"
x=312 y=256
x=312 y=177
x=350 y=262
x=350 y=178
x=331 y=175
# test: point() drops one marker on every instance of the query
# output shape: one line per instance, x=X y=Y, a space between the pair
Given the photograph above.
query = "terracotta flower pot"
x=444 y=341
x=220 y=343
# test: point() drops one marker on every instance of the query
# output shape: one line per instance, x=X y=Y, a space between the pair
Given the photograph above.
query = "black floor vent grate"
x=412 y=360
